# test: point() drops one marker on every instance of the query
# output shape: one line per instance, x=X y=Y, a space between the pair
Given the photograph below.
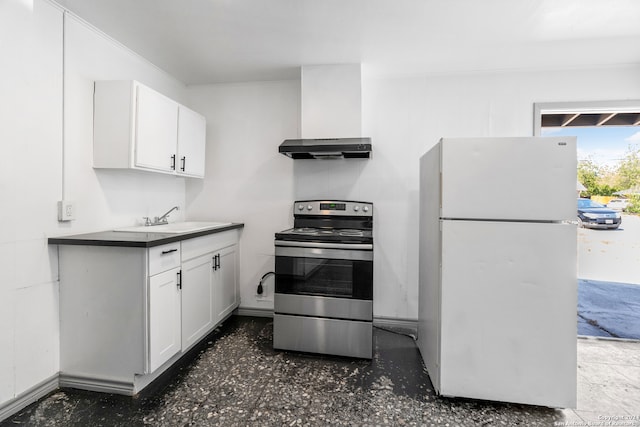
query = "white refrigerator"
x=498 y=253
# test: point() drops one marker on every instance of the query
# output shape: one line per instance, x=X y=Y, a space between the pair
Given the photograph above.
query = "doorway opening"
x=608 y=135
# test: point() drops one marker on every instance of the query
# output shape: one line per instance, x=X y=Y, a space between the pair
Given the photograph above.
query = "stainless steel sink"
x=175 y=227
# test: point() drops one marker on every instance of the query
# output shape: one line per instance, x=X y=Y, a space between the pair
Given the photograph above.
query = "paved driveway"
x=611 y=255
x=609 y=285
x=608 y=309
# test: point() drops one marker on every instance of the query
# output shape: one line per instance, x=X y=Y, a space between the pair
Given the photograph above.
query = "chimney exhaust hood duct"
x=330 y=106
x=327 y=148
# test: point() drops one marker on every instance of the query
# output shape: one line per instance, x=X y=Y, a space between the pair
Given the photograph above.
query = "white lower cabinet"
x=126 y=314
x=226 y=282
x=164 y=317
x=210 y=287
x=198 y=296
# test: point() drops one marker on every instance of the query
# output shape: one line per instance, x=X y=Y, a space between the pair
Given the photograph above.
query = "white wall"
x=246 y=179
x=30 y=170
x=404 y=117
x=31 y=134
x=109 y=198
x=331 y=101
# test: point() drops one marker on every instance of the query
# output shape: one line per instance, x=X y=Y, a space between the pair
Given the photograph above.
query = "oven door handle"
x=323 y=245
x=324 y=253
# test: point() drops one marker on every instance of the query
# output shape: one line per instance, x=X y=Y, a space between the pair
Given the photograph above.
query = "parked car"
x=595 y=215
x=618 y=204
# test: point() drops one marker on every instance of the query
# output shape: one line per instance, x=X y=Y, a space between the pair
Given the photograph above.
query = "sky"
x=605 y=146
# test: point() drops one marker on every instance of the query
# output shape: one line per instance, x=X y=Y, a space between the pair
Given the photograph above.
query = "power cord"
x=260 y=289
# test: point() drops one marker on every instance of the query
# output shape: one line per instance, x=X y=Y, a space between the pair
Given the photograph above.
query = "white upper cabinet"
x=156 y=130
x=191 y=142
x=136 y=127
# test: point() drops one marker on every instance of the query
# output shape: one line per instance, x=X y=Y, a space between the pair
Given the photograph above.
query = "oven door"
x=336 y=270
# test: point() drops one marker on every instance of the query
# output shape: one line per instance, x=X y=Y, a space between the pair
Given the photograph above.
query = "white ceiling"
x=210 y=41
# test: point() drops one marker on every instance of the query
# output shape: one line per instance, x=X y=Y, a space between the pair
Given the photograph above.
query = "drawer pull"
x=169 y=251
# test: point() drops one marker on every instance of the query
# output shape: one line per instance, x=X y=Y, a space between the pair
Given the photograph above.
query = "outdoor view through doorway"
x=608 y=259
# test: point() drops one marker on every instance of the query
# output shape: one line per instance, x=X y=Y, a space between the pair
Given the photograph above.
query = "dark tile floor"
x=236 y=378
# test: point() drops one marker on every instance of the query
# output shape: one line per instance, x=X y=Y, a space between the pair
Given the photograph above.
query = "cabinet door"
x=164 y=317
x=191 y=143
x=156 y=130
x=197 y=299
x=226 y=282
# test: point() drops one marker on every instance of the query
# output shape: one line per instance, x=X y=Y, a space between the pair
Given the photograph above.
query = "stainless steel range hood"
x=327 y=148
x=330 y=106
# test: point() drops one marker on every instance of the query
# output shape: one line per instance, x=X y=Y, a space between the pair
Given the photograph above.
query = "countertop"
x=134 y=239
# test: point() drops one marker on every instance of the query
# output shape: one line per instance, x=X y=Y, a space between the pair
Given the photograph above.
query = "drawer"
x=192 y=248
x=349 y=338
x=163 y=258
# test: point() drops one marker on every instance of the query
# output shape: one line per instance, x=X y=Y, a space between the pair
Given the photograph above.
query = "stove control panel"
x=332 y=206
x=335 y=208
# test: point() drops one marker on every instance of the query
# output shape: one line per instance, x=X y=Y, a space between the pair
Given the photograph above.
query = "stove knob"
x=309 y=207
x=300 y=207
x=356 y=208
x=365 y=208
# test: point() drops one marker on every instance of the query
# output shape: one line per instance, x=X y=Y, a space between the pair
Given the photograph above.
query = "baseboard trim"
x=97 y=384
x=253 y=312
x=405 y=326
x=28 y=397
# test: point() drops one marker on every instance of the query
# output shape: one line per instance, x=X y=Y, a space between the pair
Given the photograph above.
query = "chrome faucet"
x=159 y=220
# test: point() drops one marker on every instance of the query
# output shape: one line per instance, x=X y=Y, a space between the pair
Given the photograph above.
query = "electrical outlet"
x=66 y=210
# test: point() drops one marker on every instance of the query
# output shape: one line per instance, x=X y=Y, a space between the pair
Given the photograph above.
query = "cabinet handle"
x=184 y=162
x=173 y=162
x=179 y=273
x=169 y=251
x=217 y=261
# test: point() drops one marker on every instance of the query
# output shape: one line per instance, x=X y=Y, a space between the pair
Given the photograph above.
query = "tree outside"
x=607 y=180
x=608 y=161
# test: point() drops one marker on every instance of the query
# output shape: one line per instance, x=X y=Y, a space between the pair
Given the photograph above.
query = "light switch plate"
x=66 y=210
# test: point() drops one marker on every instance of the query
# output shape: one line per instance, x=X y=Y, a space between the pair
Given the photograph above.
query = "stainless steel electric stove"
x=324 y=279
